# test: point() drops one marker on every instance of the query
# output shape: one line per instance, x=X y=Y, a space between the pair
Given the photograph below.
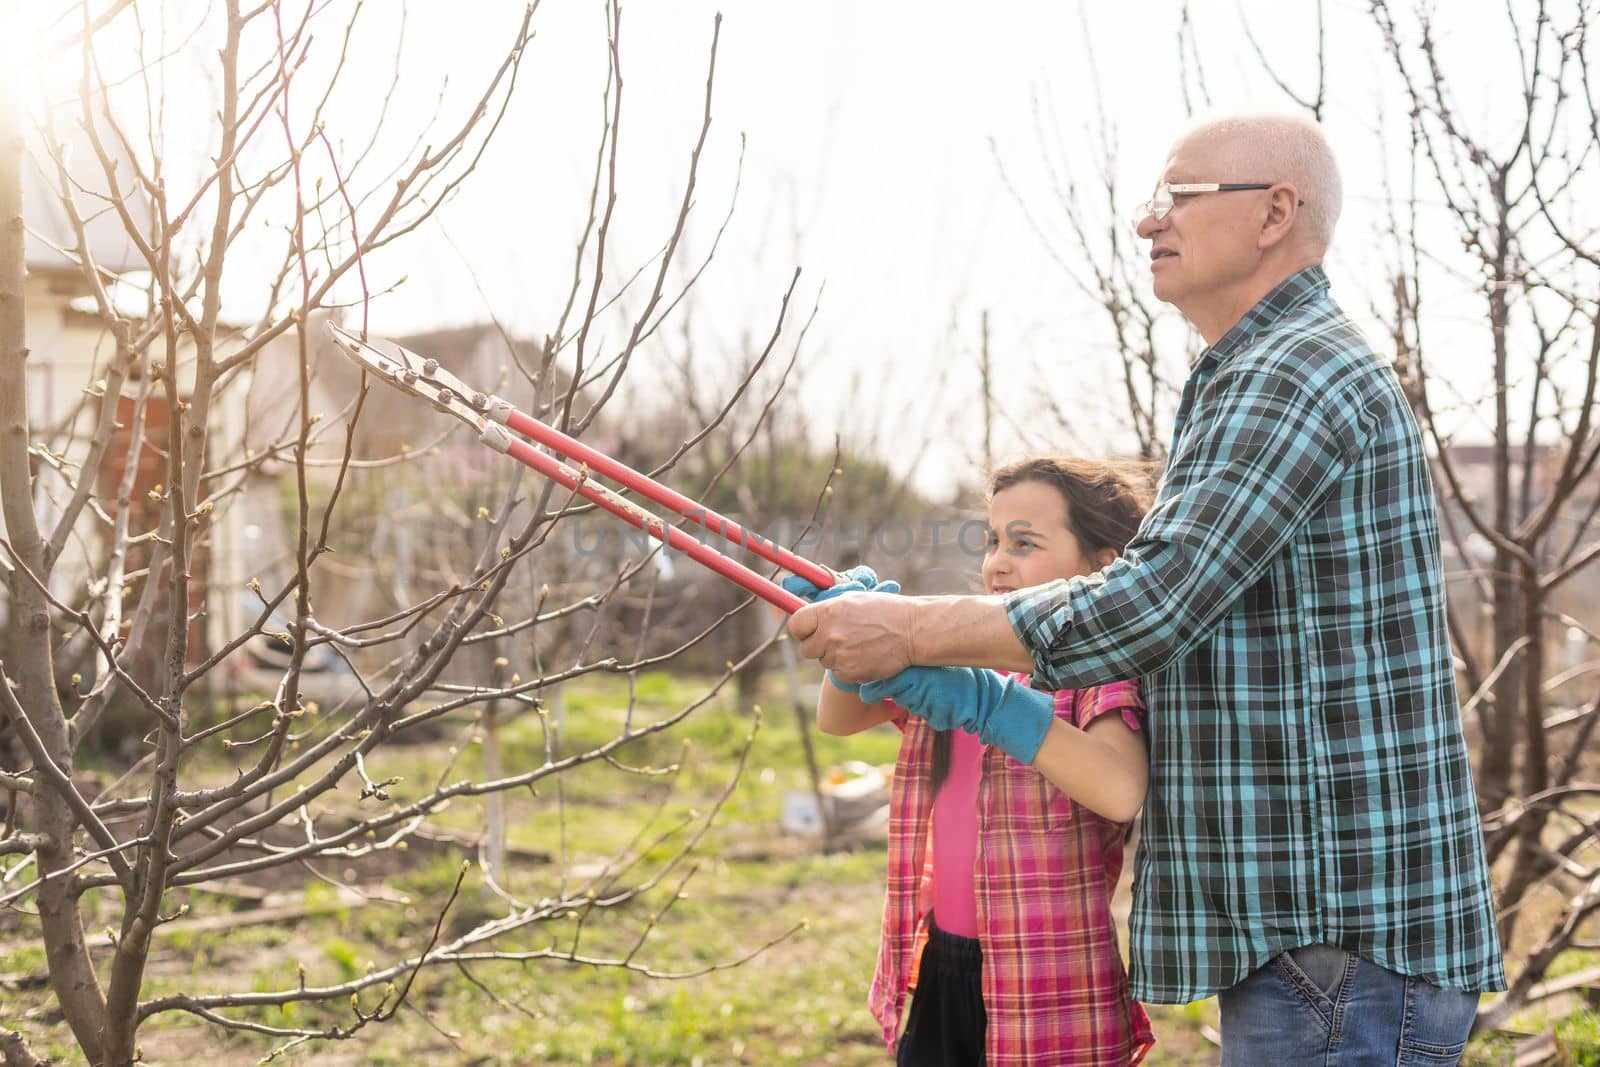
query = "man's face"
x=1206 y=244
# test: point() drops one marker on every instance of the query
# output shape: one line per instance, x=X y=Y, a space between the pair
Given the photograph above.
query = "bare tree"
x=1086 y=230
x=1516 y=210
x=95 y=576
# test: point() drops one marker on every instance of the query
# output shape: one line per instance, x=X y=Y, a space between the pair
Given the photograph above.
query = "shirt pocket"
x=1062 y=810
x=1032 y=804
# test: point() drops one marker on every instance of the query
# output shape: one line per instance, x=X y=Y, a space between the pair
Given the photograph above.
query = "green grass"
x=1579 y=1035
x=25 y=960
x=1571 y=962
x=802 y=1001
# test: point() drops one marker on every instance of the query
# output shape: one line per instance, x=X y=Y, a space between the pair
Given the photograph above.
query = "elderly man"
x=1311 y=848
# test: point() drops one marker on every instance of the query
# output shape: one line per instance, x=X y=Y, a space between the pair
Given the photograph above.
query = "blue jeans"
x=1320 y=1006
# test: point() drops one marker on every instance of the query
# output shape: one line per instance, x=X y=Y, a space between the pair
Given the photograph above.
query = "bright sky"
x=878 y=138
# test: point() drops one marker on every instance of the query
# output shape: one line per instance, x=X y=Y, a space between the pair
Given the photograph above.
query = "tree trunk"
x=1529 y=862
x=747 y=636
x=28 y=671
x=1499 y=748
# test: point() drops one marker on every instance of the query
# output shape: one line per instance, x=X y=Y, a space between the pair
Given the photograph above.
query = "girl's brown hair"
x=1106 y=500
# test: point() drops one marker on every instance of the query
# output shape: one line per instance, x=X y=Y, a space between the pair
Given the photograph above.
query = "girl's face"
x=1030 y=542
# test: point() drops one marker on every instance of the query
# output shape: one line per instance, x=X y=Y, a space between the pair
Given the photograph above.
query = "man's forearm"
x=966 y=631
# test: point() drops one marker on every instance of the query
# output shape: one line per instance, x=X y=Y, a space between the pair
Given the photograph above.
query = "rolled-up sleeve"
x=1260 y=455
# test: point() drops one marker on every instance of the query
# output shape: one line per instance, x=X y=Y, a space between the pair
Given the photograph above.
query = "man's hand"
x=858 y=636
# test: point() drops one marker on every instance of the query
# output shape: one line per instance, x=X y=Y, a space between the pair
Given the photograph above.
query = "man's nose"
x=1147 y=225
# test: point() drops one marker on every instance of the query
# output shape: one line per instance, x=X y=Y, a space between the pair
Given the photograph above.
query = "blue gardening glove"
x=861 y=579
x=1001 y=710
x=848 y=687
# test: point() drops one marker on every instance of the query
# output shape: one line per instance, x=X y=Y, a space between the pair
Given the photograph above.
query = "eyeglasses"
x=1161 y=201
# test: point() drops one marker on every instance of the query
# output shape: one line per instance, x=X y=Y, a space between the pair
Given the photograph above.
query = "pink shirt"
x=1054 y=986
x=955 y=838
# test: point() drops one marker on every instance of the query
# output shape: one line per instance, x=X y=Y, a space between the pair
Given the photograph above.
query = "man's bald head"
x=1277 y=148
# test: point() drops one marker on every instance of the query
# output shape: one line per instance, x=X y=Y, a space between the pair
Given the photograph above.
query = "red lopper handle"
x=655 y=526
x=653 y=490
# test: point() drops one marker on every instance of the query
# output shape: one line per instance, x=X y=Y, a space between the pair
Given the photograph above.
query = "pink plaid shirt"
x=1054 y=986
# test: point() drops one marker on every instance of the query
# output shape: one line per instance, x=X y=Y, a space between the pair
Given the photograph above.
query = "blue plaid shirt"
x=1283 y=605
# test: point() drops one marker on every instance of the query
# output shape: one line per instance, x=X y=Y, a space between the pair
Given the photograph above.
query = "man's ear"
x=1283 y=204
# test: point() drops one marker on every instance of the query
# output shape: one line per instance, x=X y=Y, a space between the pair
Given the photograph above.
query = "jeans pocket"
x=1316 y=973
x=1414 y=1055
x=1436 y=1026
x=1269 y=1018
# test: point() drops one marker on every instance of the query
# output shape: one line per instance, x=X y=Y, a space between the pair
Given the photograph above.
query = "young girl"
x=998 y=912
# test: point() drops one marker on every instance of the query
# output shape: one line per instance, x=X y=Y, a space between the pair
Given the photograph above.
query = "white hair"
x=1283 y=148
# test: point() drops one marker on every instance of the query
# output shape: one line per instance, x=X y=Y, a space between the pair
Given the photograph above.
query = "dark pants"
x=947 y=1020
x=1322 y=1006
